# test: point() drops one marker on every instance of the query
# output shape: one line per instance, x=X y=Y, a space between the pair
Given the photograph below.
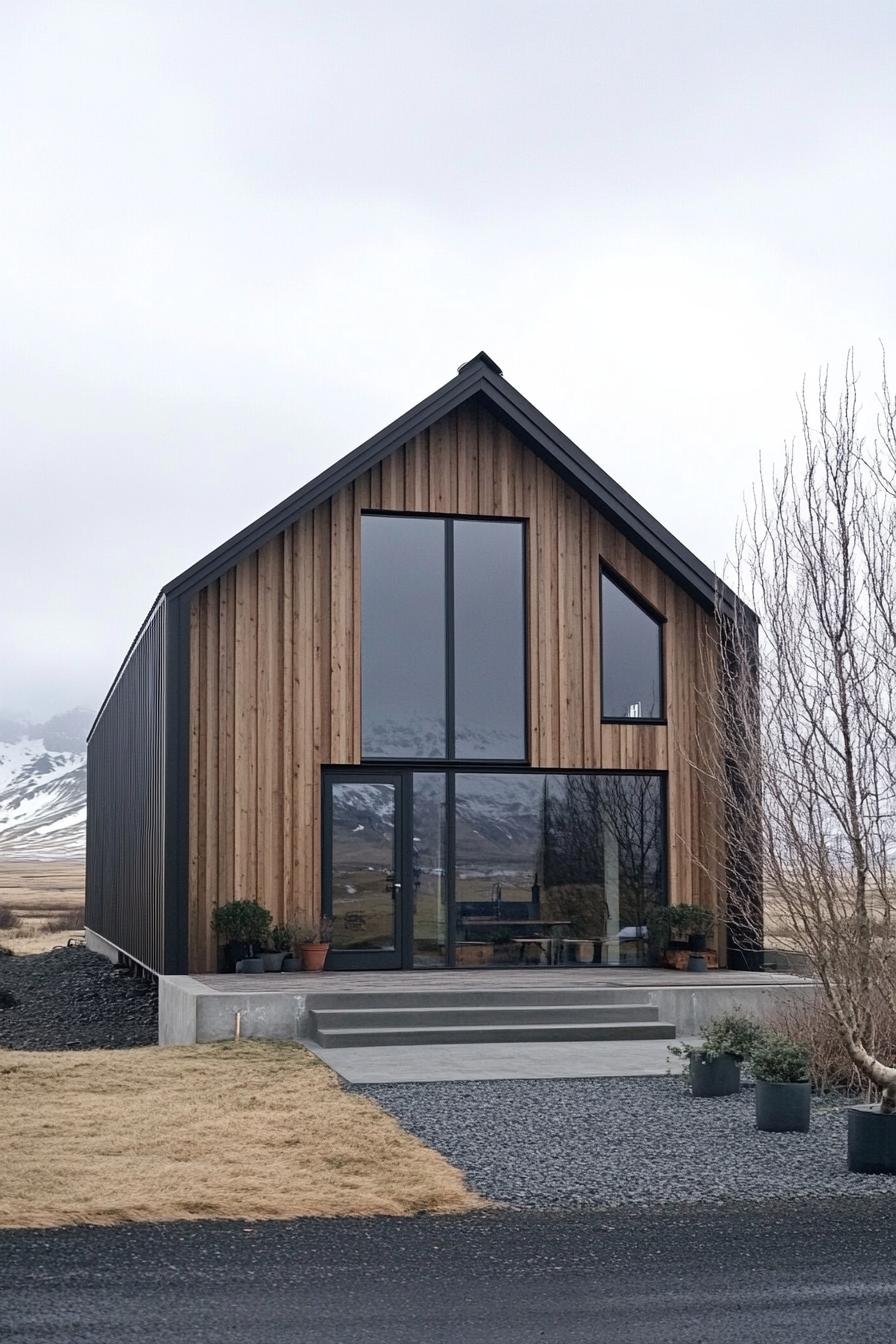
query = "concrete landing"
x=478 y=1063
x=282 y=1007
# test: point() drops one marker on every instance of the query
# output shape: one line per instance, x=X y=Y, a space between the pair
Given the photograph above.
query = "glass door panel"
x=362 y=870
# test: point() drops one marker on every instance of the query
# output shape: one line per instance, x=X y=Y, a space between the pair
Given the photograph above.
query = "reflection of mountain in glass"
x=417 y=736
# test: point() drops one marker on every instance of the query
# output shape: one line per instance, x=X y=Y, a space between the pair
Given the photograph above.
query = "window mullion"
x=449 y=639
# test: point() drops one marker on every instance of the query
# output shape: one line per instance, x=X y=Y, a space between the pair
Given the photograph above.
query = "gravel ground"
x=72 y=999
x=608 y=1142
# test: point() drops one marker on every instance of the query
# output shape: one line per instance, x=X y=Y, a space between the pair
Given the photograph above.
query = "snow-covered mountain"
x=43 y=787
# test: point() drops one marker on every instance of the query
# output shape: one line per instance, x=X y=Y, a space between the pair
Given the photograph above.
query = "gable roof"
x=480 y=380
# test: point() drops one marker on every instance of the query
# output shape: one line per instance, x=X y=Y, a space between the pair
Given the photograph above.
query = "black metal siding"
x=126 y=804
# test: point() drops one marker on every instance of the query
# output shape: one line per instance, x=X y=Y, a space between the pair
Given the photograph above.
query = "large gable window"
x=631 y=656
x=442 y=639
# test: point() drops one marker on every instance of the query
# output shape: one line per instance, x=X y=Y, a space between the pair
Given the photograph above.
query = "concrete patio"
x=533 y=1023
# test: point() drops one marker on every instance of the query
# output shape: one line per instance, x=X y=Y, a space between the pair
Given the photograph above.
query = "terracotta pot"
x=314 y=955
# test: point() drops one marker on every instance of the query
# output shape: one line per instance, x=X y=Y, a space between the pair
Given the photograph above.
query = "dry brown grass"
x=236 y=1130
x=47 y=899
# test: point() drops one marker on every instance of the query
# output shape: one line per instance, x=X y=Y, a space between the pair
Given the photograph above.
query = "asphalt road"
x=809 y=1271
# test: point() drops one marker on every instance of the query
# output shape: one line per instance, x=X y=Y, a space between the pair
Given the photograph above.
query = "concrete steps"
x=445 y=1017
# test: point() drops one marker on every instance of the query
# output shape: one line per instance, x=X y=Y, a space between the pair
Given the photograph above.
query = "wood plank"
x=196 y=824
x=504 y=490
x=303 y=715
x=246 y=726
x=211 y=772
x=393 y=480
x=486 y=453
x=322 y=719
x=467 y=460
x=342 y=676
x=416 y=488
x=227 y=735
x=287 y=762
x=590 y=670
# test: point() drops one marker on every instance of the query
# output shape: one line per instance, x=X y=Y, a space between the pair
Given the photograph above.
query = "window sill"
x=649 y=723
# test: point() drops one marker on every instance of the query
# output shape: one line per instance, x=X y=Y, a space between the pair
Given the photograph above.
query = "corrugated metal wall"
x=126 y=804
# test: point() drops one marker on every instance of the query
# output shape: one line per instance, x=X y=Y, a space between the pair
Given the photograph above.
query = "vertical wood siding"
x=275 y=653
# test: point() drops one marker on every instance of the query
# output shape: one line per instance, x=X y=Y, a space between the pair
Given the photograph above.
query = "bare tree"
x=801 y=742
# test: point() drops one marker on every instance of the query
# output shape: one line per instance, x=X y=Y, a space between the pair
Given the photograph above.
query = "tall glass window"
x=489 y=642
x=443 y=645
x=556 y=868
x=631 y=656
x=402 y=637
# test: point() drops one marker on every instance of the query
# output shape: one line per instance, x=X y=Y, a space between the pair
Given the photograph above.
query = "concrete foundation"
x=277 y=1007
x=97 y=944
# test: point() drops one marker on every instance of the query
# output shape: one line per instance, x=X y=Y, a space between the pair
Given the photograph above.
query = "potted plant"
x=678 y=927
x=871 y=1140
x=280 y=941
x=698 y=923
x=241 y=926
x=714 y=1066
x=292 y=962
x=783 y=1091
x=315 y=944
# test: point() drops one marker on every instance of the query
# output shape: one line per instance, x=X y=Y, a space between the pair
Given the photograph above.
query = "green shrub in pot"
x=242 y=926
x=714 y=1065
x=783 y=1091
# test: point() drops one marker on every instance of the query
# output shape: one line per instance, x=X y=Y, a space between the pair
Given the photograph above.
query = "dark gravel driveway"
x=807 y=1271
x=72 y=999
x=578 y=1142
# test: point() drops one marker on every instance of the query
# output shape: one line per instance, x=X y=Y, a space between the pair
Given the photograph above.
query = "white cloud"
x=239 y=238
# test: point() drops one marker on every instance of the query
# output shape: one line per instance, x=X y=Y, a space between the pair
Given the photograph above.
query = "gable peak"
x=481 y=358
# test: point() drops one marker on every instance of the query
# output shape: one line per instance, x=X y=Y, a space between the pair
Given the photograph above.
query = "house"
x=449 y=693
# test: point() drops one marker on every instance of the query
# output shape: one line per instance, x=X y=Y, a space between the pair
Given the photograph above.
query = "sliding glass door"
x=433 y=868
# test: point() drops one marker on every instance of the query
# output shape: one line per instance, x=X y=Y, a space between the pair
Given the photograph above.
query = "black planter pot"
x=273 y=961
x=234 y=952
x=250 y=966
x=292 y=964
x=717 y=1077
x=783 y=1108
x=697 y=942
x=871 y=1141
x=697 y=963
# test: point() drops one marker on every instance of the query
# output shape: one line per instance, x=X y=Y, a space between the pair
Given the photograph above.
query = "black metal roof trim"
x=479 y=379
x=124 y=662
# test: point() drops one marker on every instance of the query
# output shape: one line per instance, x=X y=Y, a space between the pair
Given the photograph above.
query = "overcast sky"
x=237 y=239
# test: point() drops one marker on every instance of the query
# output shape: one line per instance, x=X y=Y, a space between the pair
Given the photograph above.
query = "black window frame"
x=608 y=572
x=450 y=759
x=405 y=801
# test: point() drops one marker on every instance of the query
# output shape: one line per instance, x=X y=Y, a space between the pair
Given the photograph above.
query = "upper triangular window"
x=631 y=656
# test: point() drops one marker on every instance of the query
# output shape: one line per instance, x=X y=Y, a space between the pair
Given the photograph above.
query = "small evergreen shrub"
x=242 y=922
x=735 y=1033
x=281 y=938
x=775 y=1059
